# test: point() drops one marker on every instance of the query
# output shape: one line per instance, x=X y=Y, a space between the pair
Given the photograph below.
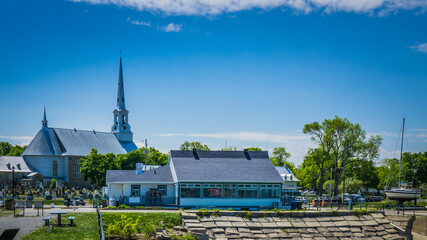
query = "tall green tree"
x=154 y=157
x=5 y=148
x=95 y=165
x=414 y=168
x=388 y=173
x=194 y=145
x=280 y=156
x=342 y=142
x=254 y=149
x=16 y=150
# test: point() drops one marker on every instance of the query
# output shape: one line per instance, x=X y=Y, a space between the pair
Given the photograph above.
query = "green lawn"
x=86 y=227
x=8 y=213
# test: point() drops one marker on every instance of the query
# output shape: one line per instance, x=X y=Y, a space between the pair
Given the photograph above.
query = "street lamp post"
x=13 y=182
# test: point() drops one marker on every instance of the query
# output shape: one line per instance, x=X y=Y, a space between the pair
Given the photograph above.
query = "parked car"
x=336 y=199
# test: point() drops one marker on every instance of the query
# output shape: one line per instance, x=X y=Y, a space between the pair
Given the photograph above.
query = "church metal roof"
x=73 y=142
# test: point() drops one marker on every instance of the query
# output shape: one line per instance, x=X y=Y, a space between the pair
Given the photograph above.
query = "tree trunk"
x=321 y=183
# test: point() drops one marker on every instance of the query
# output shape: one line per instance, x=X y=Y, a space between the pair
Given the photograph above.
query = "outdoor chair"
x=38 y=205
x=19 y=205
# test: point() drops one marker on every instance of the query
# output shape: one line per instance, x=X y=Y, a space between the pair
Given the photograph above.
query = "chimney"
x=196 y=156
x=246 y=152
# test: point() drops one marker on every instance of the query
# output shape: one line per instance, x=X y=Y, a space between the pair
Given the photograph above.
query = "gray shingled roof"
x=160 y=175
x=71 y=142
x=18 y=162
x=224 y=166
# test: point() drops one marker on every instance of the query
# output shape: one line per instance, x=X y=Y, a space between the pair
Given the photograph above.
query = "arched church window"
x=123 y=99
x=123 y=119
x=55 y=168
x=77 y=170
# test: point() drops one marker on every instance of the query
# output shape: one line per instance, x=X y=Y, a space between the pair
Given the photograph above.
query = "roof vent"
x=196 y=156
x=246 y=151
x=94 y=131
x=75 y=130
x=19 y=166
x=8 y=165
x=155 y=172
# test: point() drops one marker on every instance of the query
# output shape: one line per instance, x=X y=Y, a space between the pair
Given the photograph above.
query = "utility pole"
x=146 y=155
x=330 y=186
x=343 y=184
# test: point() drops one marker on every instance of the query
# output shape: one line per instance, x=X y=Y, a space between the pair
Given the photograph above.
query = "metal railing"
x=100 y=227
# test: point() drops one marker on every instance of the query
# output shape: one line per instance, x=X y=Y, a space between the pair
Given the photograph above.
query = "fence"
x=100 y=227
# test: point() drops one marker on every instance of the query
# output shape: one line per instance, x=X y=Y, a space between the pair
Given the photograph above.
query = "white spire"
x=121 y=127
x=120 y=89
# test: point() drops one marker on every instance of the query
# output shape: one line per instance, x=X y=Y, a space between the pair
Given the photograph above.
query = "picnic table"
x=59 y=213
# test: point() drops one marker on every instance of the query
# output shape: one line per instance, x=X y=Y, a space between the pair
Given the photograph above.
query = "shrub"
x=149 y=230
x=123 y=206
x=183 y=237
x=125 y=227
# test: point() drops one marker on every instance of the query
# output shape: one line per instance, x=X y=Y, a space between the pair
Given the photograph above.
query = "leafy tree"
x=414 y=168
x=154 y=157
x=194 y=145
x=94 y=166
x=53 y=183
x=5 y=148
x=279 y=158
x=16 y=150
x=341 y=141
x=308 y=174
x=254 y=149
x=388 y=173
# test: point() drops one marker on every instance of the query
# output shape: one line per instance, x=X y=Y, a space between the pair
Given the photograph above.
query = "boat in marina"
x=403 y=192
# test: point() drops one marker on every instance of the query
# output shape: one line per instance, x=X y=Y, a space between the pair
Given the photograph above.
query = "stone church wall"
x=73 y=180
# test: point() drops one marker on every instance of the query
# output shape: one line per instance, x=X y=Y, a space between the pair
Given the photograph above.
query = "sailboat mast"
x=401 y=150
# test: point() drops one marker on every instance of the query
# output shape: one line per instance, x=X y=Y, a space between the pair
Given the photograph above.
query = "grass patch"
x=6 y=213
x=85 y=227
x=146 y=223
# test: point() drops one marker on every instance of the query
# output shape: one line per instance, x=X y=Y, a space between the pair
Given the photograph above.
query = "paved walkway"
x=24 y=224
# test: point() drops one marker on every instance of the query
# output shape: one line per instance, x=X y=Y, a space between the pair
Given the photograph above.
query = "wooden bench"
x=71 y=221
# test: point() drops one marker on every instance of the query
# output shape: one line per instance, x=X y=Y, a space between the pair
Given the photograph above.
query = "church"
x=54 y=153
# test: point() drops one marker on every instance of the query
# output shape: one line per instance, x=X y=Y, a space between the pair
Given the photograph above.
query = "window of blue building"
x=55 y=168
x=247 y=191
x=229 y=190
x=269 y=190
x=212 y=190
x=134 y=190
x=190 y=190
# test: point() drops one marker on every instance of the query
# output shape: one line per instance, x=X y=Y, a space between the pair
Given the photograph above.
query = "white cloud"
x=215 y=7
x=137 y=22
x=172 y=27
x=420 y=47
x=21 y=140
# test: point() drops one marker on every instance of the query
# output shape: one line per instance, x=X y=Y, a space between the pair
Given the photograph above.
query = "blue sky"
x=251 y=73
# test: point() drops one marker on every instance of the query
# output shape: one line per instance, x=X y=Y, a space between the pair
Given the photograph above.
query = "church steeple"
x=121 y=127
x=44 y=121
x=120 y=89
